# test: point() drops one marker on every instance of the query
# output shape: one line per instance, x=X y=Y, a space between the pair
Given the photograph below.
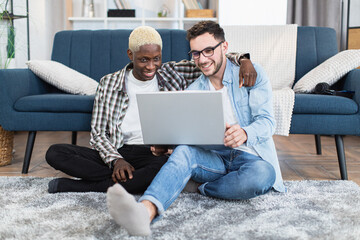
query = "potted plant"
x=7 y=34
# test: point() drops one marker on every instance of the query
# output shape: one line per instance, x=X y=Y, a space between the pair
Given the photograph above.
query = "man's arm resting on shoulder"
x=247 y=73
x=181 y=73
x=186 y=72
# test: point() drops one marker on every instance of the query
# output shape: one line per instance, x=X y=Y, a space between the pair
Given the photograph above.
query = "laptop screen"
x=182 y=117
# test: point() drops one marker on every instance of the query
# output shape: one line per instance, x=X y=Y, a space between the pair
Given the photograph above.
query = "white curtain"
x=321 y=13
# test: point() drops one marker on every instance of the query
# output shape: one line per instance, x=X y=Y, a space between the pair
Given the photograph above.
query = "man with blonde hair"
x=119 y=154
x=245 y=168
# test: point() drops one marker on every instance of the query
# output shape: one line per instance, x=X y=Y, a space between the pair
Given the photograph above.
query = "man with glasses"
x=247 y=166
x=118 y=154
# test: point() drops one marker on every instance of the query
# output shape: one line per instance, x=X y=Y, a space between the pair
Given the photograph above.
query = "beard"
x=217 y=65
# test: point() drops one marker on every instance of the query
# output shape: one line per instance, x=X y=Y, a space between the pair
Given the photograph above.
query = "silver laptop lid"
x=183 y=117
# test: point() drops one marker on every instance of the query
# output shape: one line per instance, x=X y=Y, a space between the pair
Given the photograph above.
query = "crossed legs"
x=94 y=175
x=227 y=174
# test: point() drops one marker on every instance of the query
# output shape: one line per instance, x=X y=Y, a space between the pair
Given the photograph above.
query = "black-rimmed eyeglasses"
x=207 y=52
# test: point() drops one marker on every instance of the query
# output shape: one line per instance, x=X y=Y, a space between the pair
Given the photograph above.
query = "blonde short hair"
x=143 y=35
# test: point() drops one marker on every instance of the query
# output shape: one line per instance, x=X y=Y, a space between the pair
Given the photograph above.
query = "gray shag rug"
x=309 y=210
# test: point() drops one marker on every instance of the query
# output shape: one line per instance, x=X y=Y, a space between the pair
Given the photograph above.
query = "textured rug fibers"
x=309 y=210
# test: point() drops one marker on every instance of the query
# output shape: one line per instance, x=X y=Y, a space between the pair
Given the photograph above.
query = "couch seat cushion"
x=55 y=103
x=323 y=104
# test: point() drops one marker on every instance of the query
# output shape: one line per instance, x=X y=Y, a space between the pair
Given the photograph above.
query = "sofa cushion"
x=323 y=104
x=314 y=46
x=329 y=71
x=55 y=103
x=63 y=77
x=325 y=124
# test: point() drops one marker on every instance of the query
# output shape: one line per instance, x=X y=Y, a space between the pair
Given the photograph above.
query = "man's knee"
x=257 y=182
x=158 y=162
x=52 y=153
x=184 y=155
x=266 y=172
x=265 y=178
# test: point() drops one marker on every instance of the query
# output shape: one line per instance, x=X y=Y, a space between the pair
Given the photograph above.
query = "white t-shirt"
x=229 y=116
x=131 y=127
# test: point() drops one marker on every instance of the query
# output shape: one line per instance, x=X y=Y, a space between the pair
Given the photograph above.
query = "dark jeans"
x=86 y=164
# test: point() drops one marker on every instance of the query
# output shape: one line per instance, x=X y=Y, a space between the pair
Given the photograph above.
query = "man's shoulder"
x=113 y=79
x=259 y=68
x=262 y=78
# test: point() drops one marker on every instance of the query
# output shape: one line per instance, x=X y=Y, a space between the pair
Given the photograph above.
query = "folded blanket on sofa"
x=274 y=48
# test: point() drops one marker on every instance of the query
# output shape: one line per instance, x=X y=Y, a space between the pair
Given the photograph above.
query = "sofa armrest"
x=17 y=83
x=352 y=83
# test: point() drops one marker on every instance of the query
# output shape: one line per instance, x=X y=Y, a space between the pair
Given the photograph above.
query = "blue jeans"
x=226 y=174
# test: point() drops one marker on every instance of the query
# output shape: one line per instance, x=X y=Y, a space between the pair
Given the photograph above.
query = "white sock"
x=127 y=212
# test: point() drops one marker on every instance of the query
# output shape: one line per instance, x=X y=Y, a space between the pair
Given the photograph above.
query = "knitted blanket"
x=274 y=48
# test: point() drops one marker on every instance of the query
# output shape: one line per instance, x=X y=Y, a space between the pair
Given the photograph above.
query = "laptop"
x=182 y=117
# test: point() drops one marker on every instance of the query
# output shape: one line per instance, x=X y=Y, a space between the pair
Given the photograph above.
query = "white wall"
x=48 y=17
x=354 y=16
x=252 y=12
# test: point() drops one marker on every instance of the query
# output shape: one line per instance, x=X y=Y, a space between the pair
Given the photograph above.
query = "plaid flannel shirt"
x=111 y=102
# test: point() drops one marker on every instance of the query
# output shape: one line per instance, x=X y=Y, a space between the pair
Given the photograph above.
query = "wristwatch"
x=112 y=163
x=245 y=56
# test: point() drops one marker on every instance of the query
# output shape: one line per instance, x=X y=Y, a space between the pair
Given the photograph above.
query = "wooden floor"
x=297 y=156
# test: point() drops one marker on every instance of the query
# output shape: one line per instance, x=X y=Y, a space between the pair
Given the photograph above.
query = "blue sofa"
x=29 y=104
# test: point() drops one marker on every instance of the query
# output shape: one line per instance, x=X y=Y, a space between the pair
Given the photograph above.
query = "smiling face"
x=146 y=61
x=214 y=65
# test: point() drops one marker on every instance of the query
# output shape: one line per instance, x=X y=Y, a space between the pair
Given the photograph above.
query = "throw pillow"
x=63 y=77
x=329 y=71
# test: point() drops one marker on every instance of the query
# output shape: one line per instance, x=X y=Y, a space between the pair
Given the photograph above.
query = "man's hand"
x=122 y=167
x=247 y=72
x=234 y=136
x=159 y=150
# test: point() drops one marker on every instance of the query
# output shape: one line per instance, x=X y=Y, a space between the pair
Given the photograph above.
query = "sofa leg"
x=341 y=156
x=318 y=144
x=28 y=151
x=73 y=137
